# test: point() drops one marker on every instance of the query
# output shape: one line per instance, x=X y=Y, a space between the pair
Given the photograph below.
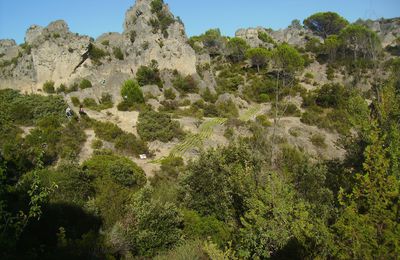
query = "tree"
x=287 y=62
x=325 y=24
x=220 y=182
x=361 y=41
x=369 y=224
x=131 y=92
x=237 y=48
x=258 y=57
x=149 y=226
x=331 y=46
x=213 y=42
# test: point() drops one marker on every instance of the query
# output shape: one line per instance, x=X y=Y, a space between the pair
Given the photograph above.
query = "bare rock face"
x=57 y=52
x=54 y=53
x=388 y=30
x=50 y=53
x=147 y=40
x=250 y=35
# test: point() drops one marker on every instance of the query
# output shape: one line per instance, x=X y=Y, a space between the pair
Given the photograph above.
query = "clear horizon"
x=94 y=19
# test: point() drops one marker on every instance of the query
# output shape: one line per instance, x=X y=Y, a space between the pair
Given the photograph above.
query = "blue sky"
x=94 y=17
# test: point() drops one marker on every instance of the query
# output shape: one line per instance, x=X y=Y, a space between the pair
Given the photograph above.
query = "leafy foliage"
x=149 y=75
x=131 y=92
x=158 y=126
x=325 y=23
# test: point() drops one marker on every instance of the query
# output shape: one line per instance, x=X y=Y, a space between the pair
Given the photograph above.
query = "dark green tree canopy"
x=237 y=48
x=258 y=57
x=325 y=24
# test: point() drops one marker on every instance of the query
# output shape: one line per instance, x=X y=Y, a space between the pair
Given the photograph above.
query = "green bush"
x=149 y=76
x=118 y=53
x=61 y=89
x=185 y=84
x=27 y=109
x=72 y=88
x=208 y=227
x=131 y=92
x=75 y=101
x=119 y=169
x=96 y=54
x=107 y=131
x=90 y=103
x=97 y=144
x=158 y=126
x=263 y=120
x=48 y=87
x=318 y=140
x=85 y=83
x=331 y=95
x=169 y=94
x=128 y=143
x=227 y=109
x=263 y=36
x=124 y=106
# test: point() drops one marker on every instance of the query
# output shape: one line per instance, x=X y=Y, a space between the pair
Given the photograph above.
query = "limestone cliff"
x=54 y=53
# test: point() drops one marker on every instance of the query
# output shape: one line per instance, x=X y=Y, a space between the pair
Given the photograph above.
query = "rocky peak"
x=157 y=35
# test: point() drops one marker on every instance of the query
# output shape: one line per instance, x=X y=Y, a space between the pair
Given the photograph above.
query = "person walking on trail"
x=68 y=112
x=81 y=111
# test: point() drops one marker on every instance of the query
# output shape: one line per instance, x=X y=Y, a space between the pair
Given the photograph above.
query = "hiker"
x=68 y=112
x=81 y=112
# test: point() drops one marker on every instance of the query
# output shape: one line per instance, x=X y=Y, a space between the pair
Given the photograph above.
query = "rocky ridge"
x=54 y=53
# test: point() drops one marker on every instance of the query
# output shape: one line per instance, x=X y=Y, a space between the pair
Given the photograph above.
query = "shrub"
x=331 y=95
x=208 y=96
x=96 y=54
x=75 y=101
x=27 y=109
x=200 y=227
x=62 y=88
x=318 y=140
x=227 y=109
x=72 y=88
x=263 y=120
x=128 y=143
x=90 y=103
x=97 y=144
x=107 y=131
x=120 y=169
x=105 y=42
x=169 y=94
x=149 y=75
x=158 y=126
x=48 y=87
x=118 y=53
x=124 y=106
x=263 y=36
x=131 y=92
x=185 y=84
x=85 y=83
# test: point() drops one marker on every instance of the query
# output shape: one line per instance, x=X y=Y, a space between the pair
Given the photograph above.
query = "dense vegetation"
x=260 y=196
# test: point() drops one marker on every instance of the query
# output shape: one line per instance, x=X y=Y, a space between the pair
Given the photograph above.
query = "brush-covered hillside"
x=147 y=144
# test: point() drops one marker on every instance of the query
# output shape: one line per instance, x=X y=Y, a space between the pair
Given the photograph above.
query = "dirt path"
x=87 y=149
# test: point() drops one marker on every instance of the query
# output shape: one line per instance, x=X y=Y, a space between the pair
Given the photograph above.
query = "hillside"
x=270 y=144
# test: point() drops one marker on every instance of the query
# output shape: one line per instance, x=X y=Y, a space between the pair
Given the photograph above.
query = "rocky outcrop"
x=168 y=46
x=388 y=30
x=54 y=53
x=294 y=35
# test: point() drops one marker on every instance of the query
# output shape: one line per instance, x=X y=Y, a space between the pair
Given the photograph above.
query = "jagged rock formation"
x=388 y=30
x=167 y=46
x=54 y=53
x=294 y=35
